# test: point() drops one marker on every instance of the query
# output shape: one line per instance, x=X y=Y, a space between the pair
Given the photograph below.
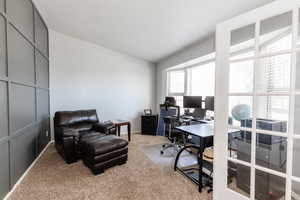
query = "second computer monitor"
x=192 y=101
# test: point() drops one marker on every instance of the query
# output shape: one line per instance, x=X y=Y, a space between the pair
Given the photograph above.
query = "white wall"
x=196 y=50
x=87 y=76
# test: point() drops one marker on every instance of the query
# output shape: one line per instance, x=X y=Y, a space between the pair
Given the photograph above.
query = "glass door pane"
x=272 y=113
x=296 y=158
x=295 y=191
x=275 y=34
x=239 y=145
x=273 y=74
x=297 y=116
x=271 y=152
x=242 y=43
x=241 y=76
x=238 y=178
x=269 y=186
x=297 y=86
x=240 y=111
x=298 y=35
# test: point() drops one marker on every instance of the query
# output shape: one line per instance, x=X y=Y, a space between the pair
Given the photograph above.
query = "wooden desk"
x=119 y=123
x=205 y=133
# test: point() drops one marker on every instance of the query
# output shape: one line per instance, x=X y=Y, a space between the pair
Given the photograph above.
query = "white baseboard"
x=26 y=172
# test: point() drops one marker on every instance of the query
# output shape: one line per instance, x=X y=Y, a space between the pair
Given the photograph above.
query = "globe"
x=241 y=112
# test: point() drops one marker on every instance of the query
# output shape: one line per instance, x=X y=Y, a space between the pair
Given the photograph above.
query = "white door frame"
x=221 y=192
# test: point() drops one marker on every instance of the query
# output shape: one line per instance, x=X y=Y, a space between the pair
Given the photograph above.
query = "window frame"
x=169 y=93
x=206 y=59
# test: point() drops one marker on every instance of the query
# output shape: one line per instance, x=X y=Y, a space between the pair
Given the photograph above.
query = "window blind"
x=277 y=77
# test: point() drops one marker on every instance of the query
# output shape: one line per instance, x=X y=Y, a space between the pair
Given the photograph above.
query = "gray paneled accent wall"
x=2 y=5
x=24 y=57
x=24 y=89
x=4 y=110
x=3 y=58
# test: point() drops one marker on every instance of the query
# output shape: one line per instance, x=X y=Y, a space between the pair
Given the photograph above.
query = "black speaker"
x=149 y=124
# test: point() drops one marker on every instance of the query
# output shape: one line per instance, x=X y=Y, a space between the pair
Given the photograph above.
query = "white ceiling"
x=147 y=29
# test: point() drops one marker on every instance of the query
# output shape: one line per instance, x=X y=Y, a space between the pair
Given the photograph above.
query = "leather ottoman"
x=103 y=152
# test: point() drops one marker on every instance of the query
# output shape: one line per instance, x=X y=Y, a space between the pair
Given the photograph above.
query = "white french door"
x=258 y=94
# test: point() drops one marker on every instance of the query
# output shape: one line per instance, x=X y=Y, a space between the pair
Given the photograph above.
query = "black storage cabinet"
x=149 y=124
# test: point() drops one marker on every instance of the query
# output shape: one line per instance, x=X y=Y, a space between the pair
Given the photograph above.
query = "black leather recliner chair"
x=70 y=127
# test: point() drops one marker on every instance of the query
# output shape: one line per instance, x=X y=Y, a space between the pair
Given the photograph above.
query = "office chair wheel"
x=161 y=152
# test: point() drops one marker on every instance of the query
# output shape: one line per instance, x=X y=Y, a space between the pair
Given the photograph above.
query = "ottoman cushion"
x=107 y=156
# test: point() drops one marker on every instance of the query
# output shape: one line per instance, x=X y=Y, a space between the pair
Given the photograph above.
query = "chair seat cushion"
x=85 y=136
x=103 y=144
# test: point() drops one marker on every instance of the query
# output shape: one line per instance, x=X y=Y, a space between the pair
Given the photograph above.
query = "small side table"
x=119 y=124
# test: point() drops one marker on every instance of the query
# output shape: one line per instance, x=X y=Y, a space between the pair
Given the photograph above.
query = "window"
x=177 y=82
x=177 y=85
x=197 y=80
x=202 y=82
x=179 y=102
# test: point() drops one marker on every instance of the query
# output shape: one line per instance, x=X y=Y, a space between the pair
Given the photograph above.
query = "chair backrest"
x=170 y=101
x=69 y=118
x=171 y=111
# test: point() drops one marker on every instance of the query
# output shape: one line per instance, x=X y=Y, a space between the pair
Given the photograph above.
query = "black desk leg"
x=129 y=132
x=119 y=131
x=200 y=157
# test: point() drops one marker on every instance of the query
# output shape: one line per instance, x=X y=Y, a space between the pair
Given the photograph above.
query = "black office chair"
x=169 y=123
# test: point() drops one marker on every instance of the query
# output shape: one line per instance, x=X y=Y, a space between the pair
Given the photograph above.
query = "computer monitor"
x=210 y=103
x=192 y=101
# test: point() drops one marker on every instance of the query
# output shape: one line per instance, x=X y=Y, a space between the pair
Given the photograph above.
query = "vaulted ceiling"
x=147 y=29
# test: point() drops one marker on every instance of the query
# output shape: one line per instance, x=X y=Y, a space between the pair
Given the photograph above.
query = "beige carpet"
x=138 y=179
